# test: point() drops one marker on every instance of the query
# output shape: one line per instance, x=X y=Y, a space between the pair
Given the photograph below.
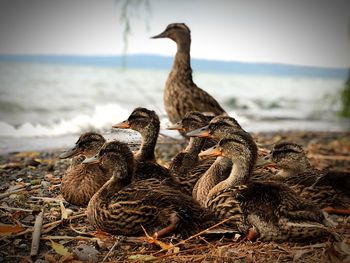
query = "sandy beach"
x=30 y=182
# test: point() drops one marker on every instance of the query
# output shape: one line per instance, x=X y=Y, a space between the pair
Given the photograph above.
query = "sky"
x=301 y=32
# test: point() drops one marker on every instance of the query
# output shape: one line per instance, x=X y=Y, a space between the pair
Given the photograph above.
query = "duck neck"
x=114 y=184
x=194 y=146
x=182 y=62
x=240 y=173
x=217 y=172
x=148 y=144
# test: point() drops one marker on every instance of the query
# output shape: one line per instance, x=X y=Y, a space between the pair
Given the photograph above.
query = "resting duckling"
x=275 y=212
x=147 y=123
x=80 y=181
x=186 y=167
x=181 y=94
x=328 y=189
x=219 y=127
x=123 y=206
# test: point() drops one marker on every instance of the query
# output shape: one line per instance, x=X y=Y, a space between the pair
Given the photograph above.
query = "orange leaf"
x=10 y=229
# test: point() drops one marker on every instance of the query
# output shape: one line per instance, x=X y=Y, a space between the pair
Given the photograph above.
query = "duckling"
x=186 y=168
x=147 y=123
x=80 y=182
x=181 y=94
x=328 y=189
x=219 y=127
x=269 y=209
x=123 y=206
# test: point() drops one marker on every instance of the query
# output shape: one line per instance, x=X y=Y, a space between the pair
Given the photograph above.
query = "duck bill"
x=91 y=160
x=264 y=161
x=70 y=153
x=201 y=132
x=161 y=35
x=122 y=125
x=211 y=152
x=177 y=126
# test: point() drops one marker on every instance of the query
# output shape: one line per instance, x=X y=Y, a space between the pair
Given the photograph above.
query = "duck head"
x=115 y=158
x=218 y=127
x=141 y=120
x=87 y=145
x=178 y=32
x=289 y=156
x=192 y=121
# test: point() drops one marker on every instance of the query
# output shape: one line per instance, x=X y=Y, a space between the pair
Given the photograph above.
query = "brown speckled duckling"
x=186 y=167
x=181 y=94
x=273 y=210
x=147 y=123
x=122 y=206
x=80 y=181
x=328 y=189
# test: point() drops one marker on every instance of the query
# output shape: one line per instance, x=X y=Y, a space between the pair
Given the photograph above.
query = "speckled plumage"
x=147 y=123
x=80 y=181
x=324 y=188
x=186 y=168
x=273 y=209
x=181 y=94
x=122 y=206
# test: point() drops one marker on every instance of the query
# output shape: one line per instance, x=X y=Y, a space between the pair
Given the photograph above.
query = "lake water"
x=41 y=102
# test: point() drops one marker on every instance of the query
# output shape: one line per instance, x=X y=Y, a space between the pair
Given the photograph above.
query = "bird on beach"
x=147 y=123
x=124 y=206
x=186 y=167
x=181 y=94
x=326 y=188
x=268 y=210
x=81 y=182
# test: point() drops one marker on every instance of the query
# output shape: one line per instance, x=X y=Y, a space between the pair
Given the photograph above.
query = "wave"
x=102 y=118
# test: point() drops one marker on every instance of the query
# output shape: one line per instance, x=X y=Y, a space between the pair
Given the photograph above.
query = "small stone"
x=28 y=219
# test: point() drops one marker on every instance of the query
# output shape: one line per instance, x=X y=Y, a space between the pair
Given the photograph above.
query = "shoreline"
x=30 y=179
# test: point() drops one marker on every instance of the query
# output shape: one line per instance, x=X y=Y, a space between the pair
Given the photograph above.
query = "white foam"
x=103 y=116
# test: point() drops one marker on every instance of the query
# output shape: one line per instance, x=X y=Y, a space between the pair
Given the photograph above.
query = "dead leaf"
x=64 y=213
x=11 y=165
x=59 y=248
x=10 y=229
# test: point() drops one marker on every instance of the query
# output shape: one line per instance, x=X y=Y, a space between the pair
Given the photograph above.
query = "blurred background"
x=72 y=66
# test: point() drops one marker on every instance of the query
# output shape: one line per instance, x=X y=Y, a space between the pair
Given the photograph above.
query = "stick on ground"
x=36 y=233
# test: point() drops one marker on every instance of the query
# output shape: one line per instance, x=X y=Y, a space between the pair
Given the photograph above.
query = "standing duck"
x=328 y=189
x=186 y=168
x=181 y=94
x=123 y=206
x=147 y=123
x=269 y=210
x=80 y=181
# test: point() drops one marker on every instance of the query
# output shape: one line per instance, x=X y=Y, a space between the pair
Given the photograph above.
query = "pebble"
x=28 y=219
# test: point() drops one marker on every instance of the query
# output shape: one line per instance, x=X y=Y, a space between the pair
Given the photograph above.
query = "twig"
x=110 y=251
x=330 y=157
x=70 y=238
x=16 y=209
x=36 y=233
x=196 y=235
x=3 y=195
x=48 y=227
x=47 y=199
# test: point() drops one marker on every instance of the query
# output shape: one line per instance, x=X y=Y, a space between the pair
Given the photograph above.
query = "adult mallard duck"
x=268 y=209
x=147 y=123
x=186 y=168
x=80 y=181
x=328 y=189
x=181 y=94
x=123 y=206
